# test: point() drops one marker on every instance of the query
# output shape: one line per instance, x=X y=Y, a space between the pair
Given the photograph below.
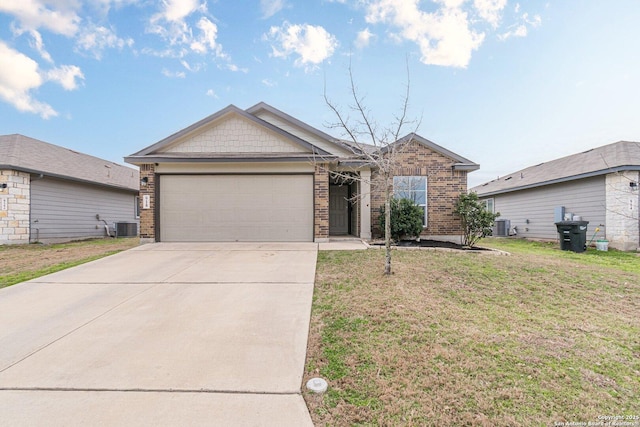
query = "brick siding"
x=444 y=185
x=147 y=216
x=321 y=201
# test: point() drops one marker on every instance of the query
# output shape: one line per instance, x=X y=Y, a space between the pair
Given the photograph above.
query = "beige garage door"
x=230 y=208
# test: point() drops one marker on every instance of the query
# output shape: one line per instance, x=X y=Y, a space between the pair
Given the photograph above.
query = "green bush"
x=406 y=219
x=476 y=220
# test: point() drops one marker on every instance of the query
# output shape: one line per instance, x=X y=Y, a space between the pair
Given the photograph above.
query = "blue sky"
x=506 y=84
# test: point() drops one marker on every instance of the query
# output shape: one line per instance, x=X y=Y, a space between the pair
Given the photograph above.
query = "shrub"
x=476 y=220
x=406 y=219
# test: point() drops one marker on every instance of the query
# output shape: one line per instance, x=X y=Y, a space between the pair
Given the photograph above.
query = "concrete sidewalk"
x=164 y=334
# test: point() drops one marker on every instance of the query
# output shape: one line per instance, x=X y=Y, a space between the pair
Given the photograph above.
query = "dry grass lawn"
x=536 y=338
x=25 y=262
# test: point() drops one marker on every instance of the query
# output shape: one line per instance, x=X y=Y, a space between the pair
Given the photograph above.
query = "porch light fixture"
x=3 y=185
x=144 y=181
x=633 y=185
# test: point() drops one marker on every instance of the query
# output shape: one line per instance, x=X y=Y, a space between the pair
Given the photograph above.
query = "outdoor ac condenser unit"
x=126 y=229
x=501 y=227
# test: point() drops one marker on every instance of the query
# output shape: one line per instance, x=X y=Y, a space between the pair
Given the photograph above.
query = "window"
x=412 y=188
x=136 y=208
x=488 y=205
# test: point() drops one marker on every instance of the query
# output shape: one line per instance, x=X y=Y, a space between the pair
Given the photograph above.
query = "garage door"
x=230 y=208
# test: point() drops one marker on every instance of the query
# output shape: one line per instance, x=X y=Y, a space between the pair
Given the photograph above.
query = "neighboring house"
x=262 y=175
x=598 y=185
x=52 y=194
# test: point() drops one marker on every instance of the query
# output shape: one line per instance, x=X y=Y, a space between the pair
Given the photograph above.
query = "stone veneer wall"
x=321 y=202
x=622 y=220
x=444 y=185
x=14 y=220
x=147 y=216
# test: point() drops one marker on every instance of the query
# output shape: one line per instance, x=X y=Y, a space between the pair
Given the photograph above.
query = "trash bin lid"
x=573 y=223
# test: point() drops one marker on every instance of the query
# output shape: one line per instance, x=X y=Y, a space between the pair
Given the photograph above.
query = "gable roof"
x=616 y=157
x=21 y=153
x=154 y=152
x=262 y=106
x=461 y=163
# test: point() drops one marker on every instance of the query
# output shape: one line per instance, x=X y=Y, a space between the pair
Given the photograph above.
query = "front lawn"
x=25 y=262
x=539 y=337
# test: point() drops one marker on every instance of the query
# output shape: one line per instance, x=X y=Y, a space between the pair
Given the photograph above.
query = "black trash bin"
x=573 y=235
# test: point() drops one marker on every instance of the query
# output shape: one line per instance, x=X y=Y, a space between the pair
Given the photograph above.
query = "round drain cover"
x=317 y=385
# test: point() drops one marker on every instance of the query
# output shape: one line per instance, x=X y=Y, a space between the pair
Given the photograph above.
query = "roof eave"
x=69 y=178
x=140 y=160
x=558 y=180
x=281 y=114
x=213 y=117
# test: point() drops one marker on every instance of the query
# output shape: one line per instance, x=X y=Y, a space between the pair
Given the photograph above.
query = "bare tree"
x=377 y=144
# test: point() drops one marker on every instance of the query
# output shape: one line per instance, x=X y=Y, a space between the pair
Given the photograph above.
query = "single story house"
x=261 y=175
x=599 y=185
x=52 y=194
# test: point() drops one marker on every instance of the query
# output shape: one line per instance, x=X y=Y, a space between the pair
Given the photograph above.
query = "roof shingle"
x=619 y=156
x=26 y=154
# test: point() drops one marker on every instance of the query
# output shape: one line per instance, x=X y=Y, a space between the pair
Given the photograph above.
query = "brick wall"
x=14 y=207
x=321 y=201
x=444 y=185
x=147 y=217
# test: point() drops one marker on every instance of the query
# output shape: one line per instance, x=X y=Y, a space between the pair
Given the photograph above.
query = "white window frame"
x=489 y=205
x=397 y=183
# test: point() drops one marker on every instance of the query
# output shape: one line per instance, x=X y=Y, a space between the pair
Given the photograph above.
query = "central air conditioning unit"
x=501 y=227
x=126 y=229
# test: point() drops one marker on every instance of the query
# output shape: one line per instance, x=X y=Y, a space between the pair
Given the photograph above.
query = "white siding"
x=532 y=211
x=66 y=210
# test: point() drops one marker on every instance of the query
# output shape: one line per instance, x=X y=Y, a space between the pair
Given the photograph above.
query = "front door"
x=338 y=210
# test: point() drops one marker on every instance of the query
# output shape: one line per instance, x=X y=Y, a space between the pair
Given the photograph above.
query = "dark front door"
x=338 y=210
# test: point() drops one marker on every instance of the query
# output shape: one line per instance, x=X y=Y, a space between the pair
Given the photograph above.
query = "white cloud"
x=212 y=94
x=65 y=75
x=174 y=74
x=490 y=10
x=521 y=29
x=177 y=10
x=207 y=40
x=269 y=83
x=189 y=67
x=174 y=23
x=38 y=45
x=443 y=36
x=19 y=75
x=57 y=16
x=236 y=69
x=94 y=39
x=363 y=39
x=271 y=7
x=312 y=44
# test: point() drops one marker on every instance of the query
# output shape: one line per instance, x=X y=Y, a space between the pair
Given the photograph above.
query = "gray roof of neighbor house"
x=19 y=152
x=616 y=157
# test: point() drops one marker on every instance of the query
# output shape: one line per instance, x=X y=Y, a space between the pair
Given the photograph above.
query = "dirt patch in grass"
x=24 y=262
x=426 y=243
x=473 y=339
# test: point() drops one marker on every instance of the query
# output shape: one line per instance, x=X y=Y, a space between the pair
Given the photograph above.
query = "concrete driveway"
x=163 y=334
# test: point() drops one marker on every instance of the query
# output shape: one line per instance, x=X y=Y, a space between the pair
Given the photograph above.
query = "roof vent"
x=508 y=178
